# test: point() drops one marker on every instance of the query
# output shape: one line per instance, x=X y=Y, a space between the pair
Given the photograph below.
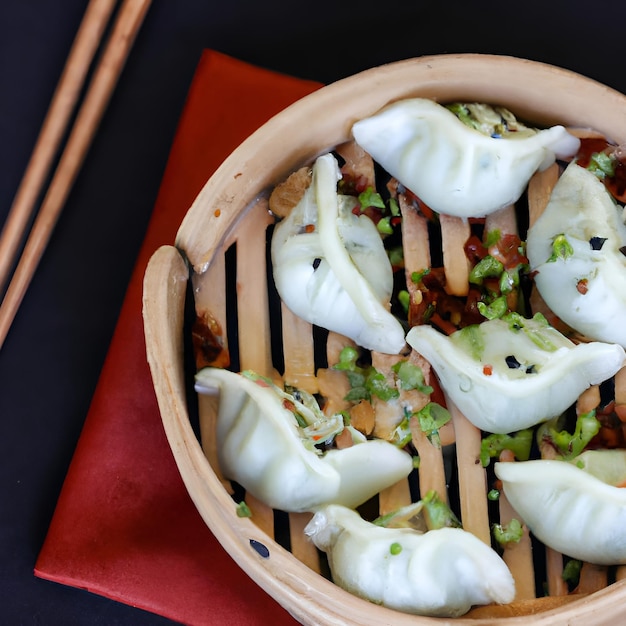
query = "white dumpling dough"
x=441 y=572
x=509 y=399
x=260 y=446
x=336 y=273
x=568 y=509
x=581 y=208
x=453 y=168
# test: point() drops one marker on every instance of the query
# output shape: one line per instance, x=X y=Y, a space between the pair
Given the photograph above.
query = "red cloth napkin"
x=124 y=526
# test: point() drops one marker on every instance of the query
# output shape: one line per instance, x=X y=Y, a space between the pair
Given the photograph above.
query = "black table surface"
x=51 y=360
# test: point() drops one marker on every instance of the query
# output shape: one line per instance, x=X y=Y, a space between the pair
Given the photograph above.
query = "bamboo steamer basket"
x=231 y=213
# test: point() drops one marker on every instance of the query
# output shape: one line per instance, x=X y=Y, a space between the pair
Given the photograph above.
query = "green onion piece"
x=396 y=256
x=384 y=225
x=571 y=572
x=488 y=267
x=602 y=164
x=509 y=279
x=494 y=310
x=376 y=384
x=471 y=340
x=347 y=358
x=518 y=443
x=365 y=382
x=370 y=197
x=561 y=249
x=463 y=113
x=394 y=207
x=243 y=510
x=437 y=513
x=492 y=237
x=404 y=299
x=538 y=332
x=411 y=376
x=417 y=277
x=570 y=445
x=395 y=548
x=508 y=533
x=493 y=495
x=431 y=418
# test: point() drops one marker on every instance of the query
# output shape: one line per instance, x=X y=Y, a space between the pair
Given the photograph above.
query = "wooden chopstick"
x=62 y=106
x=95 y=21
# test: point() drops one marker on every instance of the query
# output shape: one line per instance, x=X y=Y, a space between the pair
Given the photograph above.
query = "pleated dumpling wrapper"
x=441 y=572
x=569 y=509
x=454 y=168
x=266 y=442
x=575 y=249
x=508 y=374
x=330 y=266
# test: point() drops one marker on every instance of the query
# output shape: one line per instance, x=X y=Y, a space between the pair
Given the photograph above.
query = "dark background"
x=51 y=360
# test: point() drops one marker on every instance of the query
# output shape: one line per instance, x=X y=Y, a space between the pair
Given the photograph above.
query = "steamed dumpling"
x=455 y=169
x=331 y=268
x=585 y=285
x=509 y=375
x=262 y=447
x=442 y=572
x=568 y=509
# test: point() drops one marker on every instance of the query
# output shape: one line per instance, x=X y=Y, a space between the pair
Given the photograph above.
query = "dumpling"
x=568 y=509
x=330 y=266
x=262 y=447
x=585 y=282
x=442 y=572
x=455 y=169
x=509 y=375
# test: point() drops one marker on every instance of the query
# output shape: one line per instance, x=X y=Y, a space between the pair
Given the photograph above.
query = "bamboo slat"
x=298 y=344
x=539 y=190
x=471 y=476
x=455 y=231
x=554 y=573
x=210 y=296
x=303 y=549
x=394 y=497
x=518 y=555
x=252 y=297
x=504 y=220
x=432 y=475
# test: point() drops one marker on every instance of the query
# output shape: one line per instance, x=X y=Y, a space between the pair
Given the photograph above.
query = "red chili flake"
x=217 y=212
x=261 y=383
x=582 y=286
x=474 y=249
x=396 y=220
x=207 y=339
x=507 y=251
x=487 y=370
x=588 y=147
x=309 y=228
x=289 y=405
